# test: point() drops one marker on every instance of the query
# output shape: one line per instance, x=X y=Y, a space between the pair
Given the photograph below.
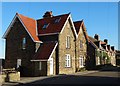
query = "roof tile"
x=44 y=51
x=30 y=25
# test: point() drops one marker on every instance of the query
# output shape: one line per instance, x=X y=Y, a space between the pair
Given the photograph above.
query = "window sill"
x=23 y=48
x=68 y=67
x=67 y=48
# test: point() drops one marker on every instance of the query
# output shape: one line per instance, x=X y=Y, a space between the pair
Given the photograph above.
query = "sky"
x=99 y=17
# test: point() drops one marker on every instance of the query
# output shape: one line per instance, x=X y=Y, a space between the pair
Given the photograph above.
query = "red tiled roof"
x=52 y=27
x=102 y=42
x=30 y=25
x=44 y=51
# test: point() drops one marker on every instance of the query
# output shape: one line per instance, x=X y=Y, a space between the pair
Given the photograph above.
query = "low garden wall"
x=9 y=75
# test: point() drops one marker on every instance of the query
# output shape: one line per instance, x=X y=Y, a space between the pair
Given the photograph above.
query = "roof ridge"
x=25 y=16
x=54 y=16
x=77 y=21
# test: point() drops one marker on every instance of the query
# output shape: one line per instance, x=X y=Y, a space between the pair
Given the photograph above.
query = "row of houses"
x=53 y=45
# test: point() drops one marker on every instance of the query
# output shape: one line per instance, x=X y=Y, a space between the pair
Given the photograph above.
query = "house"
x=100 y=52
x=47 y=46
x=117 y=57
x=81 y=45
x=92 y=52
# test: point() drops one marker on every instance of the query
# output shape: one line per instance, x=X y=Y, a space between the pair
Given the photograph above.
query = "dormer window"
x=57 y=20
x=45 y=26
x=24 y=43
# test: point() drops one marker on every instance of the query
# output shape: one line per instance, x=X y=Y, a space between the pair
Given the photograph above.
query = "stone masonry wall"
x=63 y=50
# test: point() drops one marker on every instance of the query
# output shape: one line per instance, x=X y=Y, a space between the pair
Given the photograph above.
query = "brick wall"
x=14 y=49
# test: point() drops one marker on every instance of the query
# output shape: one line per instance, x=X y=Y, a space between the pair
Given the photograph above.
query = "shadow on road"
x=75 y=79
x=110 y=68
x=80 y=79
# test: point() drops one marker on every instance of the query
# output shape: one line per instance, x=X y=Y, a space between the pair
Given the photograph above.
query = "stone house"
x=47 y=46
x=100 y=51
x=81 y=45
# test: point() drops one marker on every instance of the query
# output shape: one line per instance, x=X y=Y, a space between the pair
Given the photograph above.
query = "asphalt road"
x=106 y=76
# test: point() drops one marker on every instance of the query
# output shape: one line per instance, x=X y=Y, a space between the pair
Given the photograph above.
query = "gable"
x=71 y=26
x=67 y=30
x=81 y=33
x=28 y=24
x=80 y=27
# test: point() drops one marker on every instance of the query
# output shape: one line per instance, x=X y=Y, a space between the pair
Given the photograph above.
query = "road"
x=107 y=76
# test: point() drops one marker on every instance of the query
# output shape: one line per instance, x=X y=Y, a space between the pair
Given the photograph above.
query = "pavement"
x=25 y=80
x=107 y=75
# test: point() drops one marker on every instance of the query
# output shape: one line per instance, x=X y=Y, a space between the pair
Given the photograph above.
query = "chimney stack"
x=96 y=37
x=106 y=41
x=108 y=47
x=112 y=47
x=48 y=14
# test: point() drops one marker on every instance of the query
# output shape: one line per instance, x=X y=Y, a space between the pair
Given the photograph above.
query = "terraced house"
x=100 y=52
x=51 y=45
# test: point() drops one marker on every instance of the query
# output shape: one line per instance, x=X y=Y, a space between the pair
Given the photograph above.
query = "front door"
x=51 y=66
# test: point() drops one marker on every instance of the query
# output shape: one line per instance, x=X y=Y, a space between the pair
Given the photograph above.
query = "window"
x=45 y=26
x=40 y=65
x=18 y=63
x=68 y=42
x=24 y=43
x=81 y=61
x=57 y=20
x=81 y=44
x=98 y=60
x=67 y=60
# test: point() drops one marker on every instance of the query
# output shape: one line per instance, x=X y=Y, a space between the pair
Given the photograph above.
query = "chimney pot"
x=106 y=41
x=96 y=37
x=48 y=14
x=113 y=48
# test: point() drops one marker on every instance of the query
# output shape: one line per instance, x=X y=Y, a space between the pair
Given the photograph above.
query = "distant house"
x=48 y=46
x=100 y=52
x=117 y=57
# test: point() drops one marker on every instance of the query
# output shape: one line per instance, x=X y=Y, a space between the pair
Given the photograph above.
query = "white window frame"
x=68 y=41
x=45 y=26
x=57 y=20
x=40 y=65
x=67 y=60
x=24 y=43
x=81 y=61
x=98 y=61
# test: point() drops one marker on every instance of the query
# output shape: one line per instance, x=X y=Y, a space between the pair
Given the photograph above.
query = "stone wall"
x=62 y=50
x=10 y=77
x=80 y=51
